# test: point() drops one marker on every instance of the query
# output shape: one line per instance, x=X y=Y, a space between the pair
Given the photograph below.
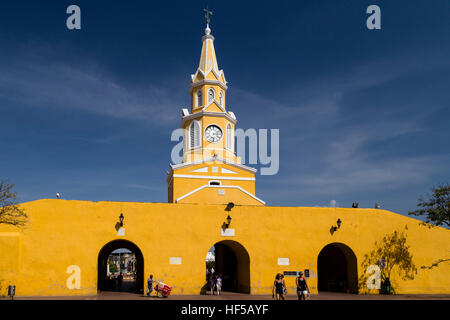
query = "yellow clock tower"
x=210 y=171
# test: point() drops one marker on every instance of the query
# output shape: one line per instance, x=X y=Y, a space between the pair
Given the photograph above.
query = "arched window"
x=211 y=95
x=194 y=134
x=199 y=98
x=221 y=98
x=229 y=137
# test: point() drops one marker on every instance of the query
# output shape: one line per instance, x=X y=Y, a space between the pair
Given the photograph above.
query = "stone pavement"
x=240 y=296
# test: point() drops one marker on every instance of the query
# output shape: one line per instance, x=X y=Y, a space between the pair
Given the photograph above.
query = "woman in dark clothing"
x=278 y=287
x=212 y=283
x=302 y=287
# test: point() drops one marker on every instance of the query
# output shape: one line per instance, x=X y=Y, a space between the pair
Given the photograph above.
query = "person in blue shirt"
x=150 y=285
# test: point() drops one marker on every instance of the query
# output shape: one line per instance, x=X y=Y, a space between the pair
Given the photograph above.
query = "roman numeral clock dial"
x=213 y=133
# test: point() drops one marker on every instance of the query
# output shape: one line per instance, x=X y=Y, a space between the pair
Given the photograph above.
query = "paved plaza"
x=239 y=296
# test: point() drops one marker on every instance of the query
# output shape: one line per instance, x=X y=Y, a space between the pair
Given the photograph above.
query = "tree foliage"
x=394 y=250
x=436 y=208
x=10 y=212
x=210 y=265
x=112 y=267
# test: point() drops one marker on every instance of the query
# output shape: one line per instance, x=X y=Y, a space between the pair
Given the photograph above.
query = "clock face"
x=213 y=133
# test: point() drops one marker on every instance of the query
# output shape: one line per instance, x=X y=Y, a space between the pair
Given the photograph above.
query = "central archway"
x=138 y=265
x=337 y=269
x=232 y=261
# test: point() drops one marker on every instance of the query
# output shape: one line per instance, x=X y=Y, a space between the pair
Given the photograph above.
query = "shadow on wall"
x=393 y=258
x=435 y=264
x=204 y=289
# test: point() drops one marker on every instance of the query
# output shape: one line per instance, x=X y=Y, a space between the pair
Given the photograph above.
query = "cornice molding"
x=207 y=81
x=207 y=36
x=208 y=114
x=211 y=159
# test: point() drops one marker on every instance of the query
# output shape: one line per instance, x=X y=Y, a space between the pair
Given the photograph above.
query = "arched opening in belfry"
x=120 y=267
x=230 y=261
x=337 y=269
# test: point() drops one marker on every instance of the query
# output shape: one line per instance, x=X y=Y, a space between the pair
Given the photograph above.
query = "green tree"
x=395 y=252
x=10 y=212
x=436 y=208
x=210 y=265
x=112 y=267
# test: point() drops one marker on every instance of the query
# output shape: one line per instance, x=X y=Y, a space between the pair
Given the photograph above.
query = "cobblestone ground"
x=238 y=296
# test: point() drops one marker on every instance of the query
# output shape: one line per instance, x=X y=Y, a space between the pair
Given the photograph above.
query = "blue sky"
x=363 y=115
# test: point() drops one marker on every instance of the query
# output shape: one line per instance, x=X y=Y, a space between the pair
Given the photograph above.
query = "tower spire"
x=208 y=60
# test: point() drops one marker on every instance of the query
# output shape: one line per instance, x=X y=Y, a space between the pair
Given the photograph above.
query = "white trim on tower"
x=221 y=187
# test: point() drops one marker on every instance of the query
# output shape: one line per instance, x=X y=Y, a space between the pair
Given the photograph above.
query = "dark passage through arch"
x=136 y=277
x=337 y=269
x=232 y=261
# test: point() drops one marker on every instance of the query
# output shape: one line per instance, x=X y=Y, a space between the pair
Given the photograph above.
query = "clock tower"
x=210 y=171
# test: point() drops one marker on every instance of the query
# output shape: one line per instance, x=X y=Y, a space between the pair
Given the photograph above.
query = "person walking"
x=115 y=285
x=218 y=283
x=150 y=285
x=277 y=288
x=212 y=283
x=302 y=287
x=119 y=281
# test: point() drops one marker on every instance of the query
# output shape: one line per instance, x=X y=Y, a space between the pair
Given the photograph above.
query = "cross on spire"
x=208 y=14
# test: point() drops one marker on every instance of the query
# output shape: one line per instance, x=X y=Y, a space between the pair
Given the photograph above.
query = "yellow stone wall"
x=62 y=233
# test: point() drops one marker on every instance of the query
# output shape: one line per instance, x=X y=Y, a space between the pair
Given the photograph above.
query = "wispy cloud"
x=332 y=146
x=42 y=83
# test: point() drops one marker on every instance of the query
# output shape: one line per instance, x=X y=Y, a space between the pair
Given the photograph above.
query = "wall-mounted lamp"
x=338 y=222
x=228 y=222
x=355 y=205
x=230 y=206
x=121 y=217
x=377 y=206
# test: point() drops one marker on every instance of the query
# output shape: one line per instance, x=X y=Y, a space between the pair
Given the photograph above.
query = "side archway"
x=337 y=269
x=106 y=251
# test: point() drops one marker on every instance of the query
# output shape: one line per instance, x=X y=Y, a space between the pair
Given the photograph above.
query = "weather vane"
x=208 y=14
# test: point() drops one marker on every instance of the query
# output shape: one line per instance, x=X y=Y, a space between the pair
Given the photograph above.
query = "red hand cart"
x=162 y=290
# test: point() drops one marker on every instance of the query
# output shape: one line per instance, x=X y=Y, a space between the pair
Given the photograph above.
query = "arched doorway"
x=337 y=269
x=231 y=260
x=130 y=262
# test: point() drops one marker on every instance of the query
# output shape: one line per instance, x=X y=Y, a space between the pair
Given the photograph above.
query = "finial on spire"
x=208 y=14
